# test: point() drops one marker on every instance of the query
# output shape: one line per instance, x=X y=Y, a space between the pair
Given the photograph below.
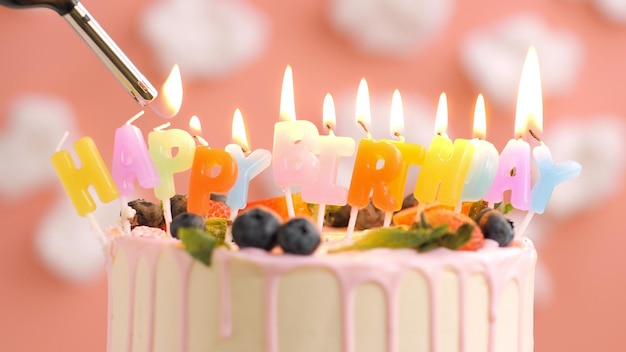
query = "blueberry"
x=255 y=228
x=298 y=236
x=186 y=220
x=495 y=226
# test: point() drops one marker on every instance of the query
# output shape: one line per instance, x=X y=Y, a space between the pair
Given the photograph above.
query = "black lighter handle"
x=62 y=7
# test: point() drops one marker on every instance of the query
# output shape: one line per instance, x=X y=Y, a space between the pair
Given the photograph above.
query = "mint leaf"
x=198 y=243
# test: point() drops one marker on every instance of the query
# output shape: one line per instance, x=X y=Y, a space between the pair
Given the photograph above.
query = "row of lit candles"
x=450 y=171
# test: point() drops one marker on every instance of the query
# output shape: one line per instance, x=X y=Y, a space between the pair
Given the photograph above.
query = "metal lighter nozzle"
x=111 y=55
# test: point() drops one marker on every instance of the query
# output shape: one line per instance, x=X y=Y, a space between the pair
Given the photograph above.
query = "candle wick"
x=399 y=135
x=62 y=141
x=329 y=128
x=534 y=135
x=367 y=131
x=201 y=140
x=163 y=126
x=137 y=115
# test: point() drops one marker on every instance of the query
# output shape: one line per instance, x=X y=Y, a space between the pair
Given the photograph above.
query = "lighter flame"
x=480 y=118
x=529 y=111
x=287 y=102
x=328 y=114
x=363 y=114
x=172 y=95
x=396 y=121
x=441 y=119
x=239 y=132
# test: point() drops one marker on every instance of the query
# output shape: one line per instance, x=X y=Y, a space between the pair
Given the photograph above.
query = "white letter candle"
x=484 y=165
x=131 y=161
x=445 y=166
x=250 y=164
x=162 y=144
x=324 y=190
x=293 y=160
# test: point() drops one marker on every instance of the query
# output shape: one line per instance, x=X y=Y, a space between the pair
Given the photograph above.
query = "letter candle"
x=131 y=161
x=324 y=190
x=514 y=169
x=162 y=144
x=293 y=162
x=485 y=161
x=76 y=181
x=445 y=166
x=376 y=165
x=412 y=154
x=212 y=171
x=249 y=163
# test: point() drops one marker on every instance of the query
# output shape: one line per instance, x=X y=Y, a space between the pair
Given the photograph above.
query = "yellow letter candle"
x=445 y=166
x=92 y=172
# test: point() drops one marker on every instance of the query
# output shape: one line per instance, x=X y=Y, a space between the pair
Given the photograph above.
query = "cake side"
x=377 y=300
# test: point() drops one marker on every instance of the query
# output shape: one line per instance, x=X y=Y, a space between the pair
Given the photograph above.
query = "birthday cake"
x=476 y=298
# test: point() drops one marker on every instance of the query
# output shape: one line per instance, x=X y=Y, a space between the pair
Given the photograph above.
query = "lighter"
x=100 y=42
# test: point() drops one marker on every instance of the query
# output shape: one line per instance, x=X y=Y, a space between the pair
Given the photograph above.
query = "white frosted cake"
x=162 y=299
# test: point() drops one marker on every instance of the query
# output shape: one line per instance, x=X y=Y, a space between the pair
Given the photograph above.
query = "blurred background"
x=232 y=54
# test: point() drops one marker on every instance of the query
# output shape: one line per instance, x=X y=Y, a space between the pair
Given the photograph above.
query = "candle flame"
x=363 y=114
x=239 y=132
x=287 y=102
x=194 y=124
x=441 y=119
x=529 y=111
x=480 y=118
x=328 y=113
x=396 y=121
x=172 y=95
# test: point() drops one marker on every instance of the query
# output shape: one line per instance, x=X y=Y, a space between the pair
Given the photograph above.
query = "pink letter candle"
x=293 y=161
x=485 y=162
x=131 y=160
x=250 y=164
x=92 y=172
x=445 y=166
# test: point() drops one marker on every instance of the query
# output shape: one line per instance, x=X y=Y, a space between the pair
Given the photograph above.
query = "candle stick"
x=249 y=163
x=212 y=171
x=514 y=170
x=369 y=177
x=324 y=190
x=131 y=161
x=445 y=165
x=412 y=154
x=76 y=181
x=292 y=159
x=162 y=144
x=484 y=164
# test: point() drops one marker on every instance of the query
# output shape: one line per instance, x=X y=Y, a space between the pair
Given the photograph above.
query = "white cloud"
x=389 y=27
x=598 y=145
x=35 y=127
x=207 y=38
x=493 y=57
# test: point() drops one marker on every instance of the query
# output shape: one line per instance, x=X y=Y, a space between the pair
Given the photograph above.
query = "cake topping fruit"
x=367 y=218
x=178 y=204
x=279 y=206
x=421 y=236
x=217 y=209
x=298 y=236
x=438 y=215
x=186 y=220
x=495 y=226
x=256 y=228
x=146 y=214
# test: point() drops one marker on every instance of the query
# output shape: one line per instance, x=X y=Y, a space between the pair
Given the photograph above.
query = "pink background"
x=42 y=54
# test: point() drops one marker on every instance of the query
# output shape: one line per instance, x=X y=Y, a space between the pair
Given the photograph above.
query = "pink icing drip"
x=384 y=267
x=184 y=270
x=107 y=266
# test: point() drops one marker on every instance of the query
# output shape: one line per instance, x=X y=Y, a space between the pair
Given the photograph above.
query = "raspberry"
x=217 y=210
